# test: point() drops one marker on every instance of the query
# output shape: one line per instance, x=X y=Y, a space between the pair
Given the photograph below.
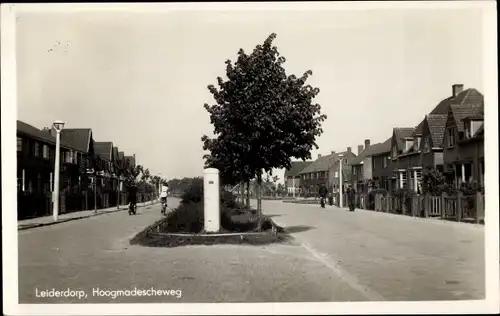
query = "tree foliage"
x=262 y=117
x=433 y=181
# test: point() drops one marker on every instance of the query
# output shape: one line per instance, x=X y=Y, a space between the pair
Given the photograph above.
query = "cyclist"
x=163 y=197
x=132 y=197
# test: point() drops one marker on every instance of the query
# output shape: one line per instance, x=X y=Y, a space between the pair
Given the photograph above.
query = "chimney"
x=360 y=149
x=319 y=156
x=367 y=143
x=457 y=88
x=349 y=149
x=332 y=152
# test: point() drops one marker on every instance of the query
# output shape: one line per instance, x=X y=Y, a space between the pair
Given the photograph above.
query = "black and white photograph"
x=213 y=158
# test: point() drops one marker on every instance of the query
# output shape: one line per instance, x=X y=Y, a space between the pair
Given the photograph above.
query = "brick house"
x=106 y=181
x=130 y=160
x=417 y=155
x=292 y=177
x=432 y=145
x=372 y=166
x=382 y=165
x=324 y=171
x=463 y=154
x=35 y=169
x=334 y=177
x=401 y=143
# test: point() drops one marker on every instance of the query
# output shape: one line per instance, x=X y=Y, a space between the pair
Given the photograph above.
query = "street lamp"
x=341 y=183
x=58 y=126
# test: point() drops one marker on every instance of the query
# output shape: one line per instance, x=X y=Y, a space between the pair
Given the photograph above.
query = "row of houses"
x=450 y=139
x=78 y=154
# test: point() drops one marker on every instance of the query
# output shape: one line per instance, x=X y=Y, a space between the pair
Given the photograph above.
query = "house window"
x=417 y=144
x=37 y=150
x=409 y=144
x=353 y=171
x=45 y=152
x=394 y=152
x=427 y=144
x=403 y=176
x=419 y=180
x=346 y=161
x=451 y=137
x=19 y=144
x=385 y=161
x=69 y=156
x=468 y=129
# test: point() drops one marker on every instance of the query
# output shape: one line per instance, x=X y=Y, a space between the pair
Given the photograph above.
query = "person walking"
x=351 y=197
x=323 y=192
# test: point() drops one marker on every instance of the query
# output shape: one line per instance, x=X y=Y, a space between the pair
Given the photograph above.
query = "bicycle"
x=132 y=209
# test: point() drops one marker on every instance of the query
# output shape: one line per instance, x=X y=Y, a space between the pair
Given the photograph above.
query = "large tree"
x=262 y=117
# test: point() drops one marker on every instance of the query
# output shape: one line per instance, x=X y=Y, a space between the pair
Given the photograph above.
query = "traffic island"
x=185 y=226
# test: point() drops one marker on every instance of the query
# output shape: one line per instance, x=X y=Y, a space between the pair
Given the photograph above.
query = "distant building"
x=325 y=171
x=292 y=176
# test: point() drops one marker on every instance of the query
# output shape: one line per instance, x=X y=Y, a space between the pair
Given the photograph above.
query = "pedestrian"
x=351 y=196
x=323 y=191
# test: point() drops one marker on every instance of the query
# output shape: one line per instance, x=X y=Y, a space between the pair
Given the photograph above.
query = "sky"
x=140 y=79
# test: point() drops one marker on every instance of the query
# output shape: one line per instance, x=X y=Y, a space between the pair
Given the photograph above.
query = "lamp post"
x=341 y=182
x=58 y=126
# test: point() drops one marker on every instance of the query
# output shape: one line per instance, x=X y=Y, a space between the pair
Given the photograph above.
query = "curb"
x=75 y=218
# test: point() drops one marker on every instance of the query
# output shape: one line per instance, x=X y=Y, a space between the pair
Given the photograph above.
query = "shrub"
x=194 y=193
x=470 y=188
x=433 y=182
x=228 y=200
x=188 y=217
x=377 y=191
x=404 y=194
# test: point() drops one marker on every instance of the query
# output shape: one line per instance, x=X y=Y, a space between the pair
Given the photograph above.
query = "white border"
x=9 y=203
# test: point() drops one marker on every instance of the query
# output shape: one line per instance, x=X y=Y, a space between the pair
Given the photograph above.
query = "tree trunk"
x=242 y=193
x=259 y=194
x=248 y=194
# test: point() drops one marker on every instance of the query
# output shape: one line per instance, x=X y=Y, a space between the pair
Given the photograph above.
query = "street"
x=391 y=256
x=337 y=256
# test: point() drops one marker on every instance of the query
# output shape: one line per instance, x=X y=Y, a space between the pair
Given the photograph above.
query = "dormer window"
x=409 y=143
x=471 y=127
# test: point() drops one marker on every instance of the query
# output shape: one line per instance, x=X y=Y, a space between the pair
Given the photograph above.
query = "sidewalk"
x=49 y=220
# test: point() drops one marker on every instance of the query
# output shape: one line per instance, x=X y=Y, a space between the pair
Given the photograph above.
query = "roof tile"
x=437 y=125
x=297 y=167
x=104 y=149
x=78 y=137
x=468 y=96
x=460 y=112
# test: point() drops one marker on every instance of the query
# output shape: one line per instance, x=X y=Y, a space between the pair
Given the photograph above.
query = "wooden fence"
x=467 y=208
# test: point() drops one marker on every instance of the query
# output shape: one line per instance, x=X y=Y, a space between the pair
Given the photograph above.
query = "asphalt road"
x=338 y=256
x=391 y=257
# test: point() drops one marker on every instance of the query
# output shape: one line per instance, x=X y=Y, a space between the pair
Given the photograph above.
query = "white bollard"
x=211 y=199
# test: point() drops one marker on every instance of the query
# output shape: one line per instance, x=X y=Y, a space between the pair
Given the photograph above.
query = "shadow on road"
x=297 y=229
